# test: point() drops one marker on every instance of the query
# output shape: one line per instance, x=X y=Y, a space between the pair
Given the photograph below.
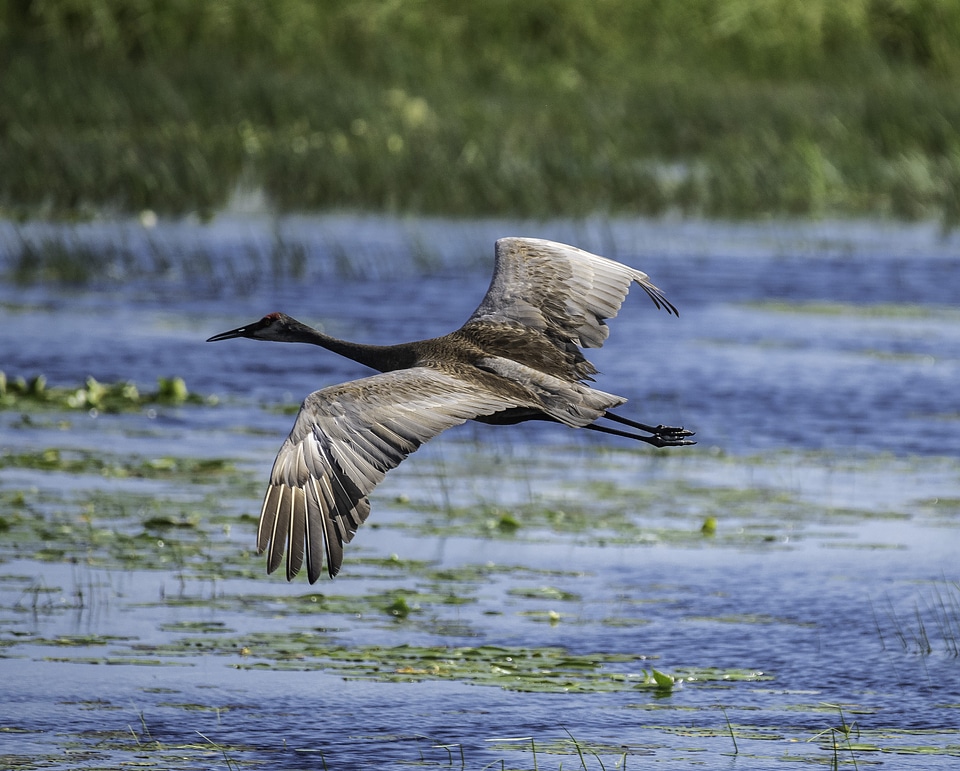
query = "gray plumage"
x=517 y=358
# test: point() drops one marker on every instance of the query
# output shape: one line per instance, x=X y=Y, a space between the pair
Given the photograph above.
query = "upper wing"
x=563 y=291
x=345 y=439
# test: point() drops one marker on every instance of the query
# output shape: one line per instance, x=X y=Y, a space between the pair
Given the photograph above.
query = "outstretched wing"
x=564 y=292
x=345 y=439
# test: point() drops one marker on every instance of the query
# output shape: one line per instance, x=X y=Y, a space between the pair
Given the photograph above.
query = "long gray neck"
x=383 y=358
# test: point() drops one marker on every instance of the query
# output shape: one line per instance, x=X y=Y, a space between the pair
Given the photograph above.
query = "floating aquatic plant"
x=22 y=394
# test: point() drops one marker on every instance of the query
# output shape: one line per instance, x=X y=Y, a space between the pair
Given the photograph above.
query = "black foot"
x=669 y=440
x=670 y=436
x=671 y=431
x=662 y=436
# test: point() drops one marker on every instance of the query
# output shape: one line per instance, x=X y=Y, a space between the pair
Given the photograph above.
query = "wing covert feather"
x=563 y=291
x=344 y=440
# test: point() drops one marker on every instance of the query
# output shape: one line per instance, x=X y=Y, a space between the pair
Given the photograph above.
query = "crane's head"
x=274 y=326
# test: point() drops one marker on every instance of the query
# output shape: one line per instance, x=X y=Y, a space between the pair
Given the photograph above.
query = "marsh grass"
x=932 y=626
x=841 y=738
x=733 y=735
x=878 y=311
x=70 y=259
x=551 y=108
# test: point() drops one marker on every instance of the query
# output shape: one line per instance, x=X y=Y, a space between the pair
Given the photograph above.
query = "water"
x=817 y=363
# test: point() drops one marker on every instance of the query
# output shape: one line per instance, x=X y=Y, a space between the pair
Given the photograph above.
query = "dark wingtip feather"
x=660 y=300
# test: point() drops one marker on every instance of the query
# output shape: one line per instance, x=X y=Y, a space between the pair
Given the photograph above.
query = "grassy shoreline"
x=550 y=108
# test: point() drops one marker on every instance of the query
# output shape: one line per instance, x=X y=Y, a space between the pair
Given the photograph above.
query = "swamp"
x=525 y=597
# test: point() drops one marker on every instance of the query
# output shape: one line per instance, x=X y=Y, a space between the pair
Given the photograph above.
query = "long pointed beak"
x=238 y=332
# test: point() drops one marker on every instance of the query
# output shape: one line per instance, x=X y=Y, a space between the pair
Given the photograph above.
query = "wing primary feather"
x=268 y=517
x=297 y=535
x=317 y=512
x=298 y=512
x=278 y=537
x=659 y=299
x=343 y=442
x=334 y=546
x=323 y=525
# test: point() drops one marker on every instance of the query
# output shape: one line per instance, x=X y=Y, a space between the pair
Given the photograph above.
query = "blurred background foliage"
x=731 y=108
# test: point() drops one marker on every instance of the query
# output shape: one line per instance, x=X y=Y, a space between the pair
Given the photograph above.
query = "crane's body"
x=517 y=358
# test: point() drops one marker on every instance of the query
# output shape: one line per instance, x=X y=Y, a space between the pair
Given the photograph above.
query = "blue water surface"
x=819 y=365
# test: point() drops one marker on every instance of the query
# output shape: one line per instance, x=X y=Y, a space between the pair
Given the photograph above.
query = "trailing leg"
x=657 y=440
x=662 y=431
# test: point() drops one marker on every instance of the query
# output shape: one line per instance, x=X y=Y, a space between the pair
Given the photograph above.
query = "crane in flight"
x=517 y=358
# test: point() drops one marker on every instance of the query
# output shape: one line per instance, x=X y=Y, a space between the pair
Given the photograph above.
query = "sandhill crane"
x=517 y=358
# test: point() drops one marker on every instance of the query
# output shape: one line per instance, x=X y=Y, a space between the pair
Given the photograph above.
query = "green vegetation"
x=877 y=310
x=185 y=470
x=934 y=625
x=124 y=396
x=167 y=548
x=516 y=668
x=122 y=530
x=547 y=107
x=65 y=259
